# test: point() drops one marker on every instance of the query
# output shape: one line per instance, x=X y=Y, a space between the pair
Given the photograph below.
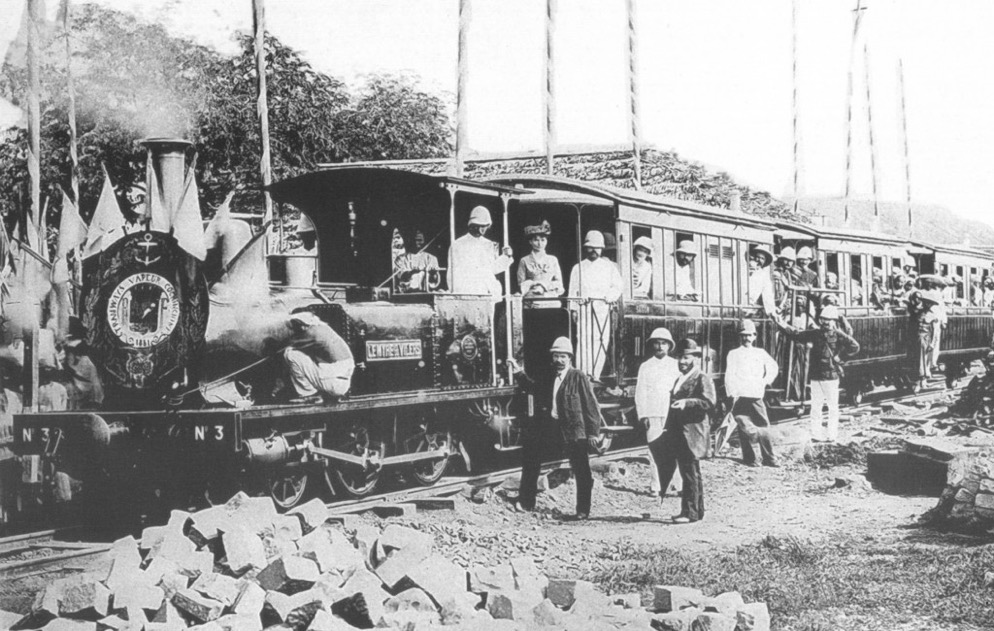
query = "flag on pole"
x=188 y=224
x=72 y=228
x=108 y=222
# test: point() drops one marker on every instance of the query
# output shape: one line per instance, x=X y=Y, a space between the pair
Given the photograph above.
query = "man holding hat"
x=685 y=440
x=564 y=400
x=598 y=281
x=652 y=395
x=475 y=261
x=642 y=268
x=748 y=370
x=684 y=286
x=828 y=344
x=539 y=274
x=319 y=360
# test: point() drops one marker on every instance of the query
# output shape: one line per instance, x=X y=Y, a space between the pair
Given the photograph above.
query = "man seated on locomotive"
x=597 y=280
x=685 y=255
x=642 y=268
x=306 y=232
x=539 y=273
x=417 y=269
x=760 y=283
x=319 y=360
x=475 y=261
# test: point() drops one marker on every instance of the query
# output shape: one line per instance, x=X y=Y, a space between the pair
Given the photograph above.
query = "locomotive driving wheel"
x=428 y=472
x=355 y=481
x=287 y=486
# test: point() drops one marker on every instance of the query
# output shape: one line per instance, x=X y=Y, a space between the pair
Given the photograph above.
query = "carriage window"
x=643 y=257
x=959 y=282
x=684 y=269
x=857 y=289
x=719 y=264
x=974 y=286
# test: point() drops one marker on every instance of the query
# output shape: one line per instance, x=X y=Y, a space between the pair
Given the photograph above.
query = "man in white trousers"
x=652 y=394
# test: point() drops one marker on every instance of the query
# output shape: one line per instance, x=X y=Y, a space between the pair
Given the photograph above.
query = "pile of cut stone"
x=244 y=567
x=967 y=503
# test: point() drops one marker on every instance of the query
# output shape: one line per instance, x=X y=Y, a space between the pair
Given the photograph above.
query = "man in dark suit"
x=564 y=400
x=685 y=439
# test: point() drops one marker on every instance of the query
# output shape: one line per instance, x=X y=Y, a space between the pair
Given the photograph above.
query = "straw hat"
x=543 y=229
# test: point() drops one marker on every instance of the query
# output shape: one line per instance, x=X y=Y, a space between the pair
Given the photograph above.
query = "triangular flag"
x=157 y=211
x=7 y=260
x=107 y=224
x=72 y=228
x=188 y=224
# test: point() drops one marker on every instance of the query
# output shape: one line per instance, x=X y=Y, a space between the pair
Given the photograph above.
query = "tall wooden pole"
x=34 y=205
x=857 y=17
x=904 y=132
x=262 y=103
x=462 y=77
x=75 y=269
x=633 y=94
x=550 y=86
x=869 y=125
x=795 y=108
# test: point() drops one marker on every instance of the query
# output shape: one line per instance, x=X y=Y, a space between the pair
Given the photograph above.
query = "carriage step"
x=616 y=429
x=499 y=447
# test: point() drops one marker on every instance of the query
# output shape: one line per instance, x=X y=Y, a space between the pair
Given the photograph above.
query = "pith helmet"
x=595 y=239
x=479 y=216
x=687 y=247
x=644 y=243
x=746 y=326
x=688 y=346
x=763 y=252
x=787 y=253
x=662 y=333
x=805 y=253
x=830 y=312
x=562 y=345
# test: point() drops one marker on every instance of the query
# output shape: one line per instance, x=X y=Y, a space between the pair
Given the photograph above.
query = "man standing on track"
x=747 y=373
x=564 y=399
x=652 y=396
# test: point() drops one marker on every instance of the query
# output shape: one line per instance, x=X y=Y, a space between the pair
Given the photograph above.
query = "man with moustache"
x=475 y=261
x=748 y=371
x=564 y=400
x=652 y=397
x=685 y=439
x=598 y=282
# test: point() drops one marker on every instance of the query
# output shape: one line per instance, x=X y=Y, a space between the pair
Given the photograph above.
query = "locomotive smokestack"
x=168 y=158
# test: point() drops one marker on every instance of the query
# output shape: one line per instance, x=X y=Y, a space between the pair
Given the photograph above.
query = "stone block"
x=152 y=536
x=250 y=599
x=400 y=563
x=8 y=618
x=365 y=542
x=244 y=550
x=446 y=583
x=713 y=621
x=675 y=620
x=402 y=510
x=371 y=587
x=984 y=501
x=47 y=600
x=726 y=603
x=412 y=598
x=208 y=524
x=310 y=515
x=434 y=503
x=167 y=614
x=82 y=595
x=254 y=513
x=330 y=549
x=562 y=591
x=198 y=607
x=627 y=601
x=172 y=582
x=402 y=537
x=233 y=622
x=355 y=611
x=346 y=521
x=964 y=495
x=217 y=586
x=289 y=574
x=753 y=617
x=545 y=614
x=117 y=623
x=491 y=579
x=672 y=598
x=139 y=595
x=64 y=624
x=325 y=621
x=409 y=619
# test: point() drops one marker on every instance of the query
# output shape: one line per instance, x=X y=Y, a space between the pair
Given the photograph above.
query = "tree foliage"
x=134 y=80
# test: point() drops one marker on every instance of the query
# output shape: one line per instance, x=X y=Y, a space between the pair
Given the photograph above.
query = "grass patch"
x=800 y=580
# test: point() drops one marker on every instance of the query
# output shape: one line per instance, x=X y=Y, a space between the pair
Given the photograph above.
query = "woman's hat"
x=541 y=229
x=645 y=243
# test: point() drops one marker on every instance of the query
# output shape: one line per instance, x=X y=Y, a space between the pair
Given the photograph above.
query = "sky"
x=715 y=79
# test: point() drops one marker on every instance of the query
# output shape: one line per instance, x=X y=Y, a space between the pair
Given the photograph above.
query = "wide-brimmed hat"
x=787 y=253
x=645 y=243
x=306 y=318
x=543 y=229
x=687 y=247
x=594 y=239
x=688 y=346
x=805 y=253
x=562 y=345
x=746 y=326
x=829 y=312
x=931 y=295
x=763 y=251
x=479 y=216
x=662 y=333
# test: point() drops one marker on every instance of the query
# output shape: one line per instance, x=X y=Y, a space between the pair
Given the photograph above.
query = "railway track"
x=31 y=553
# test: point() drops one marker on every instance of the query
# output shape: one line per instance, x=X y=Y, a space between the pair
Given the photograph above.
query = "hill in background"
x=931 y=223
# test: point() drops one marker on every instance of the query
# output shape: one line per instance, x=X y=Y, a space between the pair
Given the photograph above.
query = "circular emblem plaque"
x=143 y=310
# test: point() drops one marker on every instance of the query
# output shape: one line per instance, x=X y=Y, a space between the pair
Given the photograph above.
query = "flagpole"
x=795 y=108
x=262 y=105
x=633 y=94
x=33 y=210
x=550 y=86
x=462 y=77
x=904 y=132
x=869 y=124
x=857 y=17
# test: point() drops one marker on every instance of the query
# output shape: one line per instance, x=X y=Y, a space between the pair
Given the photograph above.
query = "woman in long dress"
x=539 y=274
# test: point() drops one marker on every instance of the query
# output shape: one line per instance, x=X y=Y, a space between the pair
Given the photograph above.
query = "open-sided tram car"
x=432 y=366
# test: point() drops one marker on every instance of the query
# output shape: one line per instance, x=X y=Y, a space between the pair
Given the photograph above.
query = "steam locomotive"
x=432 y=381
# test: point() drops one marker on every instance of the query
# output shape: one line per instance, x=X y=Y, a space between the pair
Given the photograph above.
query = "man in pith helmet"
x=597 y=281
x=475 y=261
x=652 y=394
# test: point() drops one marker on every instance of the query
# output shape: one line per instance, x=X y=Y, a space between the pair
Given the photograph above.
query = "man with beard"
x=475 y=261
x=597 y=282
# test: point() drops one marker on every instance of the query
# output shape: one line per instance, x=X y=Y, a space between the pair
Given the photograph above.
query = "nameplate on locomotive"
x=390 y=350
